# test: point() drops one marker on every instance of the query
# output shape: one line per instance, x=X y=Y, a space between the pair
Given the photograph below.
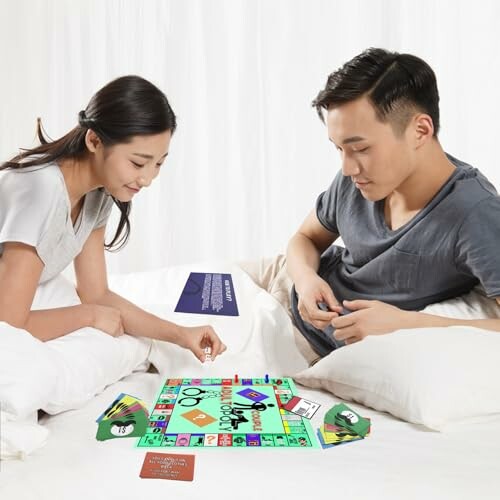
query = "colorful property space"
x=227 y=413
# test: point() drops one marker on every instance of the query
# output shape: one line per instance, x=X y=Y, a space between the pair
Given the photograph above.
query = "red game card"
x=168 y=466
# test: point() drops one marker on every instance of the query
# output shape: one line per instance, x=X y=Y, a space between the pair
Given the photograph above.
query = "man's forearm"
x=423 y=320
x=302 y=257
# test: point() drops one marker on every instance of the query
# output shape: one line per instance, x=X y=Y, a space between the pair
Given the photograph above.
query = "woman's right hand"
x=107 y=319
x=311 y=291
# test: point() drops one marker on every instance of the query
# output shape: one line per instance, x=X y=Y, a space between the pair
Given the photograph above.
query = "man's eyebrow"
x=354 y=138
x=148 y=157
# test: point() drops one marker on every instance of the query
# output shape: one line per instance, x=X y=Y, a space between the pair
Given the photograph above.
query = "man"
x=418 y=225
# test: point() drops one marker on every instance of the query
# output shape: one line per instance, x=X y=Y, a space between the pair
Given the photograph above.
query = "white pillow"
x=27 y=375
x=87 y=361
x=259 y=340
x=430 y=376
x=64 y=373
x=20 y=437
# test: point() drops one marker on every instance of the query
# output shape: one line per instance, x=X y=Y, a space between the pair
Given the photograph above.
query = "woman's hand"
x=369 y=317
x=107 y=319
x=313 y=290
x=196 y=338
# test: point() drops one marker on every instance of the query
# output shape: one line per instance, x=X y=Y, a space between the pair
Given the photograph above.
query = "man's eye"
x=138 y=165
x=362 y=150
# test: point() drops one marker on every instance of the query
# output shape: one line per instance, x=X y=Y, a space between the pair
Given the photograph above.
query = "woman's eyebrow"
x=148 y=157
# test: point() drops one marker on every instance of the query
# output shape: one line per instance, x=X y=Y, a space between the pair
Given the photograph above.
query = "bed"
x=398 y=460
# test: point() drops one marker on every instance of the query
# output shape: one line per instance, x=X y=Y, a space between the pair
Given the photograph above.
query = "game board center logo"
x=234 y=414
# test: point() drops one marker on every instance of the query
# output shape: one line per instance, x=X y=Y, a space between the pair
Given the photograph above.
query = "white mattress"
x=397 y=461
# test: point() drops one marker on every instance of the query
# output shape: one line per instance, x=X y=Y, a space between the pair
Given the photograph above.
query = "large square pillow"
x=64 y=373
x=436 y=377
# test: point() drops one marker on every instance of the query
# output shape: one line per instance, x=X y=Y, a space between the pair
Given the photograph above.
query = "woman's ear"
x=92 y=141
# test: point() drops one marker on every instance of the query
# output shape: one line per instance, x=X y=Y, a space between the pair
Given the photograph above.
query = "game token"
x=208 y=354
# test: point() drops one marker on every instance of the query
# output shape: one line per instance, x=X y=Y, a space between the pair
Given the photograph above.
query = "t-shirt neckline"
x=76 y=227
x=380 y=204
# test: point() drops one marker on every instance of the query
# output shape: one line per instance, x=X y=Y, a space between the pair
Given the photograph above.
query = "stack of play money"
x=125 y=417
x=342 y=425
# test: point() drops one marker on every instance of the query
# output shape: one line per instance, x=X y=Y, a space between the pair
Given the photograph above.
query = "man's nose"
x=349 y=166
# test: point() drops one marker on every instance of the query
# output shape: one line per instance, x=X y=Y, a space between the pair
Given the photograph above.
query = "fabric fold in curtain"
x=250 y=155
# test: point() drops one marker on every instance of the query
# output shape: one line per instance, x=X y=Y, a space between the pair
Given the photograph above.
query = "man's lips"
x=361 y=184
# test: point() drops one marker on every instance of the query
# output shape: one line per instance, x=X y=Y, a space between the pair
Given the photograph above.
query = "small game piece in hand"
x=324 y=307
x=208 y=354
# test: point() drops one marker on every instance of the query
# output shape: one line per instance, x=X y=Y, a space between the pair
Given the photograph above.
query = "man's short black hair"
x=398 y=85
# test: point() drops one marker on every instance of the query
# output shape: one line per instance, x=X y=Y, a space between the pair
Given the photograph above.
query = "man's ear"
x=423 y=129
x=92 y=141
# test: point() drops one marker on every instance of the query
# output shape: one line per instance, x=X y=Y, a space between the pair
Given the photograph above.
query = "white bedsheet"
x=398 y=461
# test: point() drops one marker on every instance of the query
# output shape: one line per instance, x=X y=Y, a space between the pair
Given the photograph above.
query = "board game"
x=230 y=412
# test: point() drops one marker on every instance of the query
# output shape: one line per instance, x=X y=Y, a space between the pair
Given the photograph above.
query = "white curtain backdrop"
x=250 y=155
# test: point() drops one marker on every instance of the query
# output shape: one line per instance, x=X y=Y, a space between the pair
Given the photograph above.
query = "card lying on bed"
x=125 y=417
x=168 y=466
x=208 y=293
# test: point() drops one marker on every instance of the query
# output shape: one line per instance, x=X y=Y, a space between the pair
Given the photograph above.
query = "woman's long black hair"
x=126 y=107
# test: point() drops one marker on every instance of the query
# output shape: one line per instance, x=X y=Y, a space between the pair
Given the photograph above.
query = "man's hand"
x=368 y=317
x=311 y=291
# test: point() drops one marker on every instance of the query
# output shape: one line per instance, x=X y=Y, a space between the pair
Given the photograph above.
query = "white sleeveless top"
x=35 y=209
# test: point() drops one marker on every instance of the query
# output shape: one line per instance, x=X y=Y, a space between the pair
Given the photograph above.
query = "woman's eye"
x=138 y=165
x=361 y=150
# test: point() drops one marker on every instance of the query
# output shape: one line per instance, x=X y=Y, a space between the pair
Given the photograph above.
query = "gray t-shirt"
x=35 y=209
x=449 y=247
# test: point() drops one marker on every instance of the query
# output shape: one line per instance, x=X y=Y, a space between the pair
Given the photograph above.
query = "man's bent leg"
x=271 y=275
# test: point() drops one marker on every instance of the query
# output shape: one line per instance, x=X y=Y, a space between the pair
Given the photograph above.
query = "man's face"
x=377 y=160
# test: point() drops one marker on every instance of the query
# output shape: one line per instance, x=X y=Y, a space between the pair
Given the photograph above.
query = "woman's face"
x=124 y=169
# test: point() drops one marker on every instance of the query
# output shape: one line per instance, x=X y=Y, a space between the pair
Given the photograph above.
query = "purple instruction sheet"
x=208 y=293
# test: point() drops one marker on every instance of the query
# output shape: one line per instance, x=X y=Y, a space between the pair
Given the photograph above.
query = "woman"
x=55 y=200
